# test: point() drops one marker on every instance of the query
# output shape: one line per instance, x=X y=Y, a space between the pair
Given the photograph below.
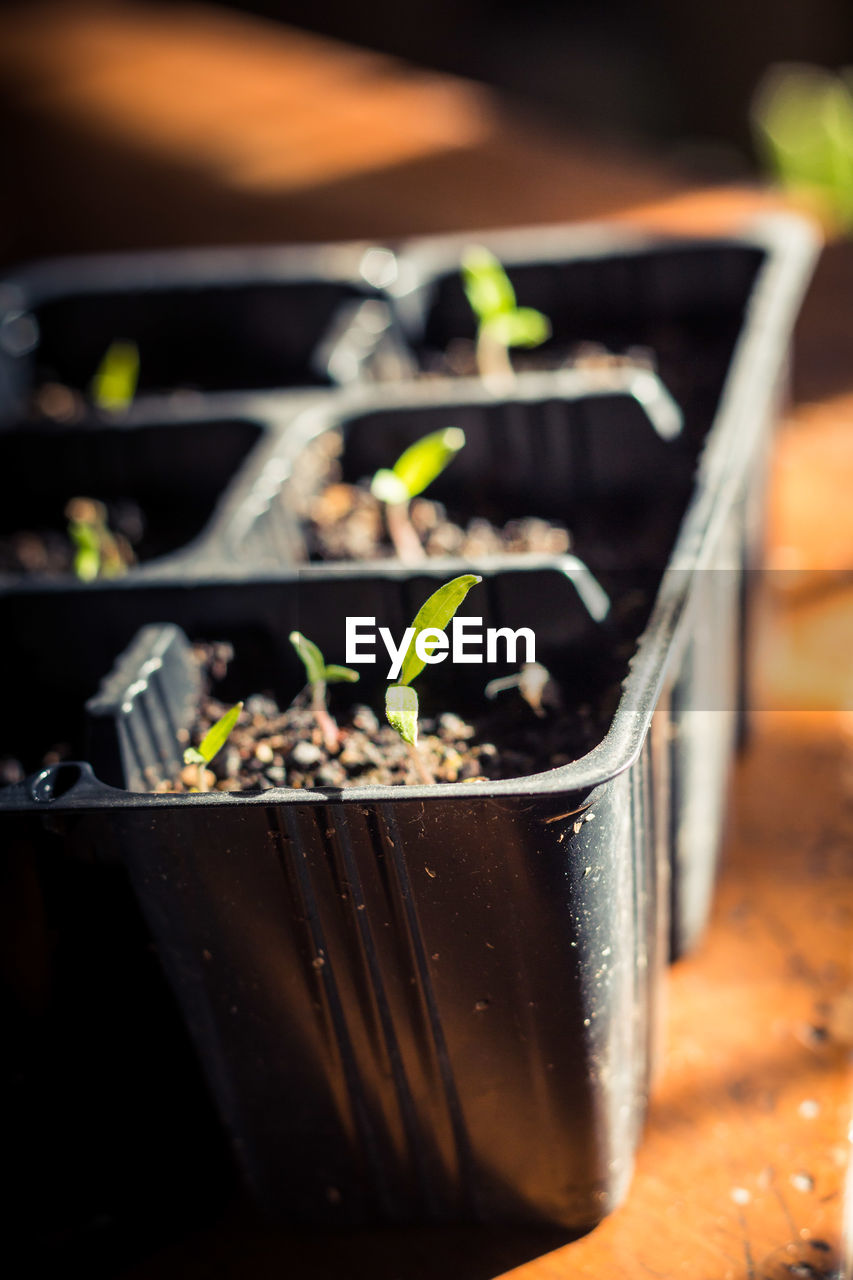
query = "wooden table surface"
x=189 y=125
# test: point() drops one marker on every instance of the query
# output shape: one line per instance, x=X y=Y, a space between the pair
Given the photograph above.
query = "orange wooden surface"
x=132 y=124
x=192 y=125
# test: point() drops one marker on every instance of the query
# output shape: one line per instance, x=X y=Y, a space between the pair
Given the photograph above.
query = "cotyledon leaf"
x=215 y=738
x=487 y=286
x=435 y=613
x=418 y=466
x=334 y=674
x=312 y=658
x=401 y=710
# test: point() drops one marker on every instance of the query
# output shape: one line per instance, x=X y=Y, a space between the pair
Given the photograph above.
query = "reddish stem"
x=330 y=731
x=406 y=542
x=421 y=767
x=493 y=360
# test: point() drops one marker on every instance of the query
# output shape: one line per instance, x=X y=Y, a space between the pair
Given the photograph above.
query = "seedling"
x=414 y=470
x=211 y=744
x=320 y=673
x=114 y=384
x=803 y=121
x=533 y=682
x=401 y=701
x=98 y=552
x=501 y=323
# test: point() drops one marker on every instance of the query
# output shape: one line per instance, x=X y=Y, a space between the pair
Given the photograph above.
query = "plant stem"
x=327 y=726
x=201 y=776
x=406 y=542
x=493 y=359
x=421 y=767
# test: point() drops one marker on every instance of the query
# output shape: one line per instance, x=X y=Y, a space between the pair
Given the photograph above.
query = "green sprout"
x=414 y=470
x=533 y=682
x=401 y=701
x=98 y=552
x=320 y=674
x=114 y=384
x=211 y=744
x=501 y=323
x=802 y=118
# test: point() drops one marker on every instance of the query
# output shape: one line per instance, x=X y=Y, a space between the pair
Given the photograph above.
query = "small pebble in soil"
x=11 y=771
x=56 y=401
x=305 y=756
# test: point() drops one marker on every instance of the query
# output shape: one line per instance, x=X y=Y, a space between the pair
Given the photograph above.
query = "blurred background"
x=665 y=75
x=141 y=123
x=135 y=124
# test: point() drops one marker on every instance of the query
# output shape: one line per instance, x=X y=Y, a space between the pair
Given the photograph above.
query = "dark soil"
x=47 y=551
x=345 y=522
x=275 y=747
x=691 y=360
x=459 y=360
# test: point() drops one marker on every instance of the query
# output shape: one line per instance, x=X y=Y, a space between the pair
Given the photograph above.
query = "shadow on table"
x=118 y=192
x=241 y=1246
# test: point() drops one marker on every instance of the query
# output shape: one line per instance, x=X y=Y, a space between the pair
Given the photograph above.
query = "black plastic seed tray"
x=602 y=455
x=446 y=994
x=431 y=1109
x=172 y=480
x=681 y=302
x=715 y=316
x=168 y=476
x=203 y=321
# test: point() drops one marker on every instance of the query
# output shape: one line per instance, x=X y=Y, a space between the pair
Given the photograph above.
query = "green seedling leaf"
x=333 y=674
x=401 y=701
x=803 y=118
x=98 y=552
x=215 y=738
x=417 y=466
x=502 y=324
x=389 y=488
x=87 y=550
x=487 y=286
x=401 y=709
x=524 y=327
x=312 y=658
x=319 y=675
x=436 y=612
x=116 y=378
